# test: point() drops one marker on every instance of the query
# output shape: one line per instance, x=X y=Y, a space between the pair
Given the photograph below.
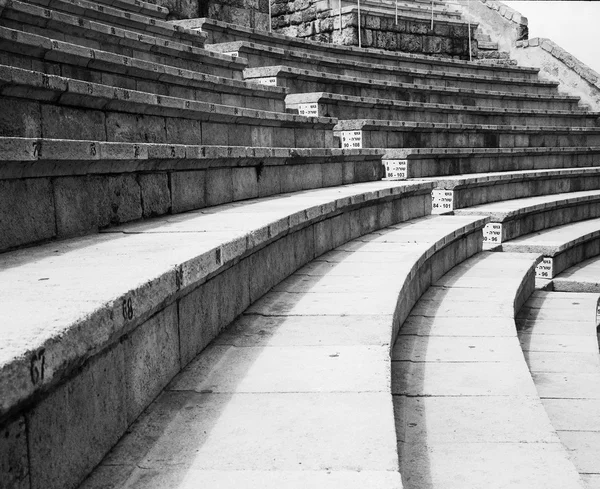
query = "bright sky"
x=572 y=25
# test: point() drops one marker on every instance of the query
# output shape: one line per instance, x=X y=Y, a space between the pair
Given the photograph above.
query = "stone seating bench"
x=53 y=189
x=513 y=218
x=260 y=55
x=353 y=107
x=220 y=32
x=111 y=16
x=114 y=316
x=331 y=325
x=372 y=133
x=559 y=340
x=581 y=277
x=433 y=162
x=302 y=81
x=467 y=412
x=464 y=190
x=562 y=246
x=33 y=19
x=75 y=61
x=116 y=114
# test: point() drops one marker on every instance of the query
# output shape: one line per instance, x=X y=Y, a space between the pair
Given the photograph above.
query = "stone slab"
x=567 y=385
x=574 y=414
x=449 y=326
x=583 y=363
x=551 y=327
x=466 y=419
x=491 y=465
x=584 y=449
x=228 y=369
x=533 y=341
x=290 y=432
x=461 y=379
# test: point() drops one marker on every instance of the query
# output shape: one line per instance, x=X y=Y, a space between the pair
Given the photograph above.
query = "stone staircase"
x=200 y=239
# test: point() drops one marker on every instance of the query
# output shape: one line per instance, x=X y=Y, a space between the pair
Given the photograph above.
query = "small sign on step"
x=352 y=139
x=309 y=110
x=396 y=169
x=442 y=201
x=492 y=233
x=270 y=81
x=545 y=268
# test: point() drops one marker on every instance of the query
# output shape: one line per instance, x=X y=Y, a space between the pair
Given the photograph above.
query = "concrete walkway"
x=558 y=336
x=297 y=392
x=467 y=412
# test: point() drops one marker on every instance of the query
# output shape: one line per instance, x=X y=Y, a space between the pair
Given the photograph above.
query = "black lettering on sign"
x=37 y=149
x=37 y=366
x=93 y=149
x=127 y=308
x=136 y=151
x=173 y=152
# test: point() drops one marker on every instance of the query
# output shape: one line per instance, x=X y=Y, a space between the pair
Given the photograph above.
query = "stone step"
x=581 y=277
x=139 y=7
x=76 y=30
x=513 y=218
x=433 y=162
x=487 y=46
x=465 y=190
x=220 y=32
x=462 y=390
x=297 y=80
x=329 y=362
x=110 y=17
x=53 y=189
x=565 y=368
x=36 y=105
x=260 y=55
x=370 y=133
x=115 y=316
x=352 y=107
x=562 y=246
x=75 y=61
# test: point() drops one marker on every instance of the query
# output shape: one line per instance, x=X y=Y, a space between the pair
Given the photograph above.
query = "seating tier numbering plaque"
x=396 y=169
x=351 y=139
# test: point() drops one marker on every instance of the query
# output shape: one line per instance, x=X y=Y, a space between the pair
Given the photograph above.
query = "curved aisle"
x=467 y=413
x=557 y=331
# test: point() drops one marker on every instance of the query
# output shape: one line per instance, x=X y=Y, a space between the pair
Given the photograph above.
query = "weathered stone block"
x=151 y=359
x=60 y=122
x=219 y=186
x=187 y=190
x=245 y=183
x=27 y=210
x=269 y=180
x=156 y=197
x=19 y=118
x=183 y=131
x=133 y=128
x=14 y=462
x=71 y=430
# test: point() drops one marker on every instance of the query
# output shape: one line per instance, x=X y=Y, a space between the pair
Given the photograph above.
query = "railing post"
x=431 y=14
x=396 y=12
x=359 y=37
x=340 y=18
x=469 y=33
x=270 y=22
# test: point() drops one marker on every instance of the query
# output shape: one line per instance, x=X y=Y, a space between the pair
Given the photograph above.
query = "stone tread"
x=114 y=16
x=147 y=262
x=31 y=157
x=570 y=389
x=368 y=7
x=138 y=6
x=378 y=125
x=515 y=208
x=490 y=178
x=324 y=62
x=108 y=34
x=18 y=82
x=420 y=153
x=298 y=73
x=555 y=240
x=292 y=101
x=582 y=277
x=279 y=40
x=106 y=61
x=333 y=372
x=465 y=393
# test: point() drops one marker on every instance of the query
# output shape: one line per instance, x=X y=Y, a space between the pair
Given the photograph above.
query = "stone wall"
x=247 y=13
x=303 y=19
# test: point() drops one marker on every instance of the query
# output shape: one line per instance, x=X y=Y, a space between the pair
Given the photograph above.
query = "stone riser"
x=345 y=110
x=55 y=207
x=382 y=138
x=471 y=195
x=106 y=69
x=455 y=165
x=416 y=94
x=87 y=9
x=139 y=7
x=437 y=80
x=122 y=375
